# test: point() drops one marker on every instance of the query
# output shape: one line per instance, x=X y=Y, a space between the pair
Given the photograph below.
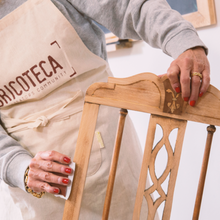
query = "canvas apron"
x=47 y=70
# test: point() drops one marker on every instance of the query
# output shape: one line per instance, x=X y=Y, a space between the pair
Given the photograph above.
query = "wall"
x=142 y=58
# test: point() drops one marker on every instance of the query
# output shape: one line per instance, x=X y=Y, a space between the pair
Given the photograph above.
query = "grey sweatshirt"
x=150 y=20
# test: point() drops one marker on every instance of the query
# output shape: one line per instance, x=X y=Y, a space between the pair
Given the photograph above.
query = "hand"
x=48 y=172
x=180 y=70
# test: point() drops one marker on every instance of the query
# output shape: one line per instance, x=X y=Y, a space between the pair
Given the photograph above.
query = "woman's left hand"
x=180 y=74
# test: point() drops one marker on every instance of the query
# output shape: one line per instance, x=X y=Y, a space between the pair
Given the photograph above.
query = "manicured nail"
x=68 y=170
x=65 y=181
x=192 y=103
x=66 y=159
x=186 y=99
x=56 y=190
x=200 y=94
x=177 y=89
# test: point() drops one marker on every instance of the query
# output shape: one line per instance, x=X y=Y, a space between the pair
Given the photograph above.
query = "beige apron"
x=47 y=71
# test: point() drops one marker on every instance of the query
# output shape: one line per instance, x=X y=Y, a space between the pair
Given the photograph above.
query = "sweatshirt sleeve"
x=14 y=160
x=150 y=20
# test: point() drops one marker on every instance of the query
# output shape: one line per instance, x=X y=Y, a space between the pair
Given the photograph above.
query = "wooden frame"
x=204 y=16
x=148 y=93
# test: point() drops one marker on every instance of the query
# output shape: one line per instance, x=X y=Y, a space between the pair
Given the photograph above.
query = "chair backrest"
x=148 y=93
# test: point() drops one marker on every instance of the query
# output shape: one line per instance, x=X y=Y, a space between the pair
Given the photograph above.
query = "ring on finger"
x=196 y=74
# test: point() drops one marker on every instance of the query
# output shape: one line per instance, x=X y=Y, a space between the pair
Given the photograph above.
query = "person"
x=46 y=150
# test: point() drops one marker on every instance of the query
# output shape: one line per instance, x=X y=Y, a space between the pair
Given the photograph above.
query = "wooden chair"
x=146 y=93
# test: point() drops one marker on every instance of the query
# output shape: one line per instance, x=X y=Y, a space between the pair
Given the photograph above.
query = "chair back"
x=148 y=93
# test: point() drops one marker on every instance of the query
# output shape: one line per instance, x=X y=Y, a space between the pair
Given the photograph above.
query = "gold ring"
x=196 y=74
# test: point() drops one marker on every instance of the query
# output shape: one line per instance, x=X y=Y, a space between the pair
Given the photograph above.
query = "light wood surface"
x=211 y=129
x=114 y=164
x=148 y=164
x=81 y=158
x=151 y=98
x=204 y=16
x=148 y=93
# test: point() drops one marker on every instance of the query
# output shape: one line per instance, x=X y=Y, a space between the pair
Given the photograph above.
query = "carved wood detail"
x=150 y=154
x=151 y=94
x=173 y=101
x=120 y=93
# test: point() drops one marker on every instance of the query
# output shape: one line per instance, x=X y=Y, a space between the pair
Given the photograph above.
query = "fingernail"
x=66 y=159
x=65 y=181
x=186 y=99
x=192 y=103
x=200 y=94
x=56 y=190
x=68 y=170
x=177 y=89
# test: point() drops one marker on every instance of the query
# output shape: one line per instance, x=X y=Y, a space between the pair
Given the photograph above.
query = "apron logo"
x=36 y=75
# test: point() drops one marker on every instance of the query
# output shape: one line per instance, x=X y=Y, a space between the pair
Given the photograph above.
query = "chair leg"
x=211 y=129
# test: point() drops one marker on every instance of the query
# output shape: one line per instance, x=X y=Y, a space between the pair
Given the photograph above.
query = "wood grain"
x=81 y=158
x=146 y=93
x=150 y=154
x=151 y=98
x=211 y=129
x=114 y=164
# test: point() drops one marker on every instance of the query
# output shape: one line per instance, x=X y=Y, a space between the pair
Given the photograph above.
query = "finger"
x=201 y=65
x=62 y=189
x=185 y=84
x=50 y=166
x=198 y=67
x=205 y=82
x=38 y=187
x=54 y=156
x=48 y=177
x=196 y=83
x=173 y=75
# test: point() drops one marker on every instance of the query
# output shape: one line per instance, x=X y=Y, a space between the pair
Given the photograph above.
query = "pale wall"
x=143 y=58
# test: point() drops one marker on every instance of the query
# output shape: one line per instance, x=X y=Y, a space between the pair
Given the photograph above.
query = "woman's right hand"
x=48 y=172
